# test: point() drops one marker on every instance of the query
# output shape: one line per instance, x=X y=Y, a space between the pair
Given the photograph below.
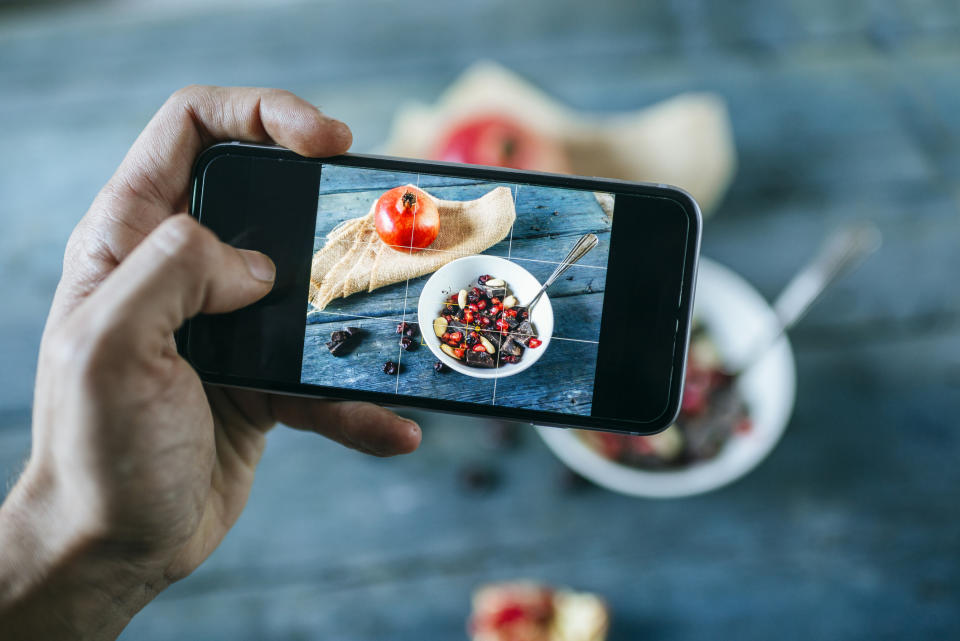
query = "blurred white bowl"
x=456 y=275
x=736 y=317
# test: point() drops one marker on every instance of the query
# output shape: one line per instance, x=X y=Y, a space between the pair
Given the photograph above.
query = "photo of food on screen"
x=427 y=286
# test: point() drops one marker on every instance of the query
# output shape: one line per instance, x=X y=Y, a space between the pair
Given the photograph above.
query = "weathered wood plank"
x=822 y=509
x=561 y=380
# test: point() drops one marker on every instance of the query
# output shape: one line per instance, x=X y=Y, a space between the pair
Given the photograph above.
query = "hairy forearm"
x=56 y=580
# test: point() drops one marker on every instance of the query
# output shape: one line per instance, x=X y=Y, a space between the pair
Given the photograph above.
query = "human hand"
x=138 y=469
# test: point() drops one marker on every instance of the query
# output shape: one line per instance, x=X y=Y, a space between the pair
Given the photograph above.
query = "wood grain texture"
x=840 y=111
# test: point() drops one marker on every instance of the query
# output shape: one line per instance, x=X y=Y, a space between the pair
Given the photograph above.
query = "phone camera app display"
x=427 y=286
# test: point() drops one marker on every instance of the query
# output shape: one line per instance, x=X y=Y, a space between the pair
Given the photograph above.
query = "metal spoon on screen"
x=842 y=251
x=584 y=245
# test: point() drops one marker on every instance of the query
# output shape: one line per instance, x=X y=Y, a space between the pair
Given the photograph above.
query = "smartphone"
x=409 y=283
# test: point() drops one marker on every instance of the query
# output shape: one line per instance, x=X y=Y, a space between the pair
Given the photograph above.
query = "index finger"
x=157 y=167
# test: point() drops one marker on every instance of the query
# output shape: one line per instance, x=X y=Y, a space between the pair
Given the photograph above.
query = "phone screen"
x=412 y=284
x=400 y=305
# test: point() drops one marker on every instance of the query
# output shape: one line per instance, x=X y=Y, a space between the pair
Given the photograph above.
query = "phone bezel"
x=688 y=285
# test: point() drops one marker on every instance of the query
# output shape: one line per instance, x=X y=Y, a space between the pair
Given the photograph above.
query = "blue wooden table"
x=850 y=529
x=548 y=223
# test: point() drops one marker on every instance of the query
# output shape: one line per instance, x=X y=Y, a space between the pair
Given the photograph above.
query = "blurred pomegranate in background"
x=498 y=141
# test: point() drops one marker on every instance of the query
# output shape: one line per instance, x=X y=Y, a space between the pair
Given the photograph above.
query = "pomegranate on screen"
x=406 y=218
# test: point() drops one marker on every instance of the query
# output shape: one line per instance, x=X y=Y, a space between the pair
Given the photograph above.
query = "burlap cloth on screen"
x=354 y=259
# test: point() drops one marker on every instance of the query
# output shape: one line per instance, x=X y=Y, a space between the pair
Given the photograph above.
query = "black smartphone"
x=410 y=283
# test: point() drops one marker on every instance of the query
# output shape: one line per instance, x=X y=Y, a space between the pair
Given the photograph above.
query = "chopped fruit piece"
x=487 y=345
x=440 y=325
x=452 y=353
x=533 y=343
x=485 y=321
x=509 y=301
x=462 y=298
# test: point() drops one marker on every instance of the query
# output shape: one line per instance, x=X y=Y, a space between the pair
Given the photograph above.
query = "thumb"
x=178 y=271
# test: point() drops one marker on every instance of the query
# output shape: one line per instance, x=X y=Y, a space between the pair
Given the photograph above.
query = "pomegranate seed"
x=453 y=297
x=496 y=309
x=481 y=304
x=473 y=308
x=479 y=348
x=534 y=343
x=502 y=325
x=468 y=317
x=485 y=321
x=458 y=352
x=484 y=278
x=456 y=336
x=495 y=301
x=510 y=313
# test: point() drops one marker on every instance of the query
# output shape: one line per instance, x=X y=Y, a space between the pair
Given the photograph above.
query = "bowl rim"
x=425 y=320
x=701 y=477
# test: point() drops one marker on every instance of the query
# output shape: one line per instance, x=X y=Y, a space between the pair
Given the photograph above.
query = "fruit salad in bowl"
x=480 y=325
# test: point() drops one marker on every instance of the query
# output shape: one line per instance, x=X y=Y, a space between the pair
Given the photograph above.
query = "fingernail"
x=260 y=265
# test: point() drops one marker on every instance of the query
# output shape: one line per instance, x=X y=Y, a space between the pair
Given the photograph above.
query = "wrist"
x=58 y=579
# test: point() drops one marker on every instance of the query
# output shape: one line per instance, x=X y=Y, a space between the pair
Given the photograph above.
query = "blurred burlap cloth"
x=686 y=140
x=354 y=259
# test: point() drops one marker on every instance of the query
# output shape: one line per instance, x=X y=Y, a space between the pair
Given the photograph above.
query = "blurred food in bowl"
x=492 y=116
x=531 y=611
x=734 y=317
x=712 y=411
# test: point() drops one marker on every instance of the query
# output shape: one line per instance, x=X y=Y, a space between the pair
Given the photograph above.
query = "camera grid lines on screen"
x=560 y=378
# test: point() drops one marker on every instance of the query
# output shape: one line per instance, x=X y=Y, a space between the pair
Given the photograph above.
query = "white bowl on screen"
x=457 y=275
x=735 y=315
